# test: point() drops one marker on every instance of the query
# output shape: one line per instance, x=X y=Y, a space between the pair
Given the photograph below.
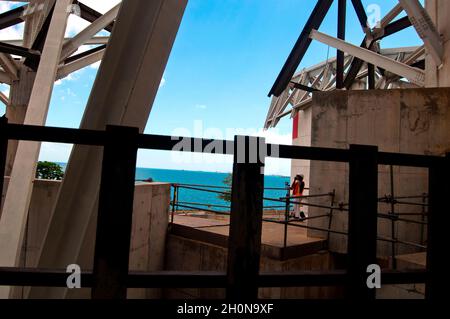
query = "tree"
x=226 y=196
x=49 y=170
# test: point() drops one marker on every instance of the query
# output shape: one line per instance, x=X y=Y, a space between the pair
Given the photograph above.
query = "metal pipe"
x=393 y=220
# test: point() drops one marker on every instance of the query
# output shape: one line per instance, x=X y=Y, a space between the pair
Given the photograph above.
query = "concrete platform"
x=215 y=231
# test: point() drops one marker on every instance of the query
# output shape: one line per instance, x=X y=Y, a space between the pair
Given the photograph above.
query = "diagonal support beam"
x=87 y=59
x=91 y=15
x=4 y=99
x=123 y=94
x=425 y=28
x=12 y=17
x=362 y=16
x=40 y=40
x=5 y=78
x=17 y=50
x=10 y=67
x=300 y=48
x=17 y=200
x=95 y=27
x=412 y=74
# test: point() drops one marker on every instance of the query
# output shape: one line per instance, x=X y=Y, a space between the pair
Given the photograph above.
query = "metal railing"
x=111 y=277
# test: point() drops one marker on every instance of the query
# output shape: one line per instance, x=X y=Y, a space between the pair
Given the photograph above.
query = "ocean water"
x=208 y=178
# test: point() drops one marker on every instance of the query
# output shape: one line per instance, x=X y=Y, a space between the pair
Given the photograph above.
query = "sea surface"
x=187 y=195
x=209 y=200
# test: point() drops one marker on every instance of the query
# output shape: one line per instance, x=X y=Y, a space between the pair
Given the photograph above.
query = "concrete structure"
x=147 y=251
x=200 y=244
x=415 y=121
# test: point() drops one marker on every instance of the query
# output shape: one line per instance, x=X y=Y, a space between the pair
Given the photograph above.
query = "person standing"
x=297 y=187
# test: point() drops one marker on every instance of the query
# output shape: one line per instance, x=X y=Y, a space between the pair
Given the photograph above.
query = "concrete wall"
x=150 y=221
x=184 y=254
x=413 y=121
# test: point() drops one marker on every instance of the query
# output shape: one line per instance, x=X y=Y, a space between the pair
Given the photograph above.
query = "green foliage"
x=49 y=170
x=227 y=195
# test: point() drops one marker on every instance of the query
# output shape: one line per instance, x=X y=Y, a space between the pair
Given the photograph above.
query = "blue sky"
x=225 y=59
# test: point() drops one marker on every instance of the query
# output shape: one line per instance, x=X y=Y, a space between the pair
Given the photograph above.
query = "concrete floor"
x=215 y=230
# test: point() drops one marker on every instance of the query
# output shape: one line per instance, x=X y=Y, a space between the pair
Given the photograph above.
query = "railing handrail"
x=167 y=143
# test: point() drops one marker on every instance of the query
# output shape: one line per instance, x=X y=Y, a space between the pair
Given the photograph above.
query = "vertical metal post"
x=438 y=222
x=371 y=76
x=3 y=151
x=174 y=202
x=393 y=220
x=422 y=234
x=112 y=246
x=330 y=217
x=362 y=220
x=286 y=217
x=342 y=14
x=244 y=243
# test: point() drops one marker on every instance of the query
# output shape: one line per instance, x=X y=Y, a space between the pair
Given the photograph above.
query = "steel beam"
x=81 y=61
x=425 y=28
x=39 y=42
x=412 y=74
x=91 y=15
x=362 y=16
x=139 y=62
x=4 y=99
x=342 y=14
x=17 y=50
x=95 y=27
x=12 y=17
x=17 y=200
x=5 y=78
x=9 y=65
x=300 y=48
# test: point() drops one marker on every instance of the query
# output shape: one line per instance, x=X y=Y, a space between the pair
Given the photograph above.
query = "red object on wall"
x=295 y=127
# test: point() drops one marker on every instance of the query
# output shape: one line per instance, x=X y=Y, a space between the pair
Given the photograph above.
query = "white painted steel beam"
x=17 y=200
x=10 y=67
x=68 y=68
x=123 y=94
x=95 y=27
x=425 y=27
x=4 y=99
x=414 y=75
x=93 y=41
x=5 y=78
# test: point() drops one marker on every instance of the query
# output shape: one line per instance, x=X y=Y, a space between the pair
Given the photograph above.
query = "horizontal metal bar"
x=408 y=160
x=180 y=279
x=200 y=204
x=308 y=196
x=203 y=209
x=55 y=135
x=313 y=153
x=169 y=143
x=18 y=50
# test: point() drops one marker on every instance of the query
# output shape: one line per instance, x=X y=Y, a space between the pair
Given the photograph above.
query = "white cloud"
x=55 y=152
x=201 y=106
